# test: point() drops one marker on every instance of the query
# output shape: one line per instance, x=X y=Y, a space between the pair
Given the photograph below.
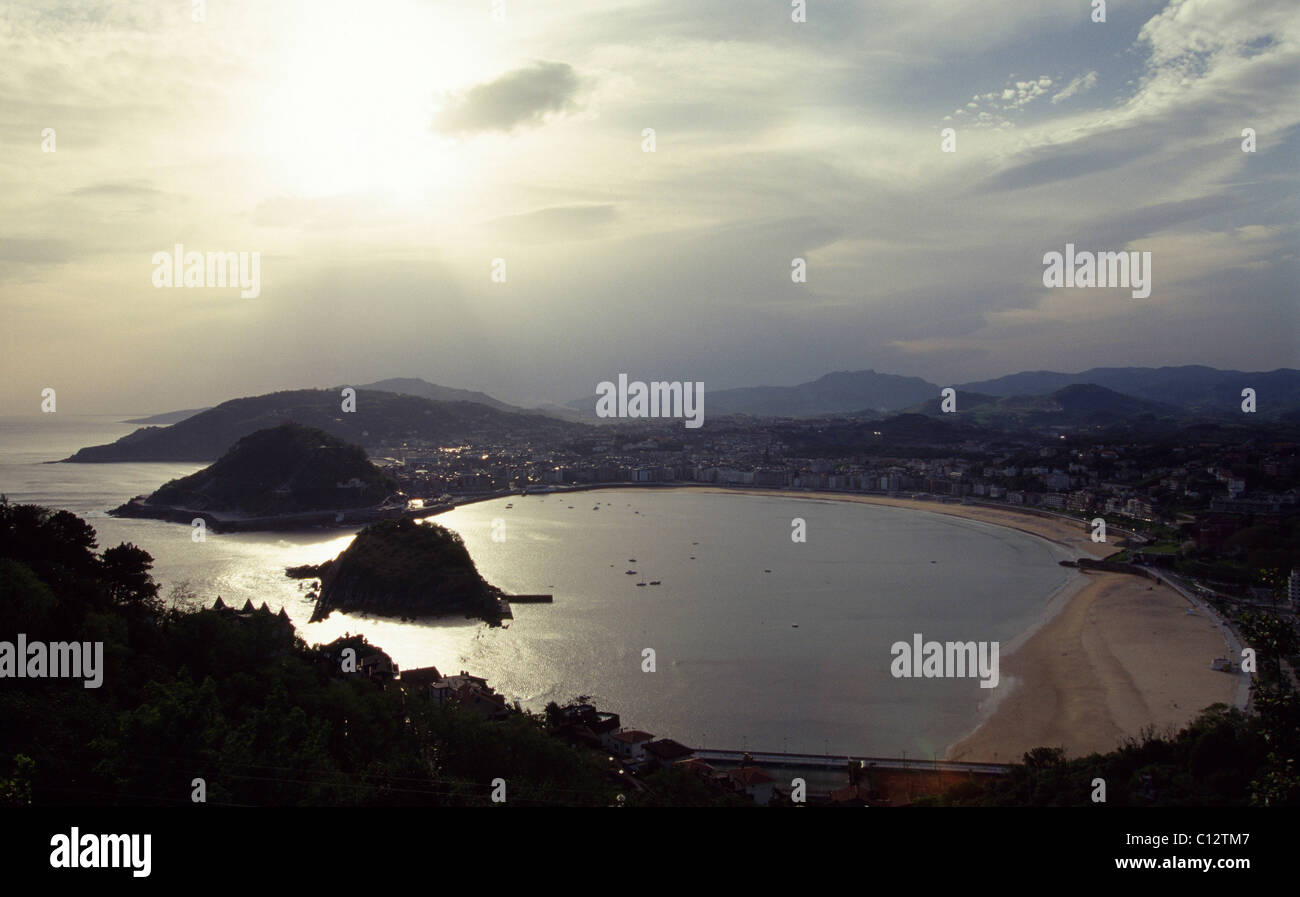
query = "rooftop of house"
x=667 y=750
x=632 y=736
x=750 y=775
x=421 y=675
x=696 y=765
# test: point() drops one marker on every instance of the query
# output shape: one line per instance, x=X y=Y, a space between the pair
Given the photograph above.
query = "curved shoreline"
x=1111 y=655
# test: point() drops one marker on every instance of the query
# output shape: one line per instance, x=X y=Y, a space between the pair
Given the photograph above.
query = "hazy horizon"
x=378 y=159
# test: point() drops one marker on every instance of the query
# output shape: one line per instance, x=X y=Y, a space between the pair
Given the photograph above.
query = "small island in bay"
x=401 y=568
x=288 y=476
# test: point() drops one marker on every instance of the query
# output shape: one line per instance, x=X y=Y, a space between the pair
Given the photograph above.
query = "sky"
x=380 y=157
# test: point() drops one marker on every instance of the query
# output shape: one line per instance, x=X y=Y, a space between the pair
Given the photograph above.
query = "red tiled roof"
x=750 y=775
x=632 y=736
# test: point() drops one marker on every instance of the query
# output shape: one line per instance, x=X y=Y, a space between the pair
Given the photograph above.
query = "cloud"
x=22 y=258
x=117 y=190
x=340 y=212
x=1070 y=159
x=1081 y=84
x=775 y=141
x=988 y=108
x=35 y=251
x=523 y=97
x=557 y=223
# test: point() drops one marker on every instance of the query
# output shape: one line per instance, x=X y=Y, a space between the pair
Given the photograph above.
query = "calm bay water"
x=796 y=658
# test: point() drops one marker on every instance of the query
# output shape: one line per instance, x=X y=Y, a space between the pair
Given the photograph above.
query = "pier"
x=503 y=603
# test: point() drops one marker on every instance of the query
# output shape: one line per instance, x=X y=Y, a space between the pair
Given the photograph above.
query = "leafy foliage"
x=235 y=699
x=403 y=567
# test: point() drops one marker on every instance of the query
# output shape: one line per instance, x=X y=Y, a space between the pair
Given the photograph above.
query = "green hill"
x=381 y=420
x=404 y=568
x=282 y=470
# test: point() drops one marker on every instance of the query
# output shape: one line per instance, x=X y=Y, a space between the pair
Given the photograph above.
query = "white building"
x=627 y=744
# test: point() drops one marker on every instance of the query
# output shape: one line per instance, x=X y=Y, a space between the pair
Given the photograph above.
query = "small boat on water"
x=640 y=584
x=654 y=582
x=630 y=572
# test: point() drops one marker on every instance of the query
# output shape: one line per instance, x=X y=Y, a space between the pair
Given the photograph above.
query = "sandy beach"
x=1113 y=655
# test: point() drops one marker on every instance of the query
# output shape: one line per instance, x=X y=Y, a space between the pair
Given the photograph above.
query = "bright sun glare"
x=357 y=92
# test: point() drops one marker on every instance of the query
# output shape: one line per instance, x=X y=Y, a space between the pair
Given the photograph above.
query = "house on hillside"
x=627 y=744
x=753 y=781
x=419 y=678
x=464 y=692
x=696 y=766
x=583 y=724
x=665 y=752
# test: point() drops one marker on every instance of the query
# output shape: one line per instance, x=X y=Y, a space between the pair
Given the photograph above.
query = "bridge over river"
x=822 y=761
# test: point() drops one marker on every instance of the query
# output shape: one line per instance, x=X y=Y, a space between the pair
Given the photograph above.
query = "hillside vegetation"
x=403 y=568
x=381 y=419
x=282 y=470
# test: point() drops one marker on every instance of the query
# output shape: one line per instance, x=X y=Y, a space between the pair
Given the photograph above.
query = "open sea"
x=759 y=642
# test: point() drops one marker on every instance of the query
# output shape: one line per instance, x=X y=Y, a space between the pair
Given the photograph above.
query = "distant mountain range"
x=1078 y=405
x=836 y=393
x=1192 y=389
x=1146 y=400
x=380 y=419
